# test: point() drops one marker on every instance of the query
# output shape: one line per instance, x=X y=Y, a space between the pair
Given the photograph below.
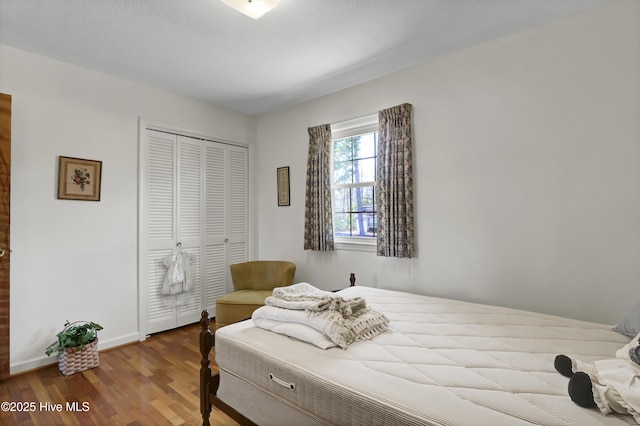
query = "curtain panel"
x=318 y=218
x=394 y=187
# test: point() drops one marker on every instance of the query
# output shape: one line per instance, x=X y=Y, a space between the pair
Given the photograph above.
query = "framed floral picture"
x=283 y=186
x=79 y=179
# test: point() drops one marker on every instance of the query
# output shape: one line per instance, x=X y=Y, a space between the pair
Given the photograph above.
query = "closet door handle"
x=226 y=240
x=2 y=252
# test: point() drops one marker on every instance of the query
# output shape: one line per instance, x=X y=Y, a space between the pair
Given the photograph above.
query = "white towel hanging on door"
x=178 y=278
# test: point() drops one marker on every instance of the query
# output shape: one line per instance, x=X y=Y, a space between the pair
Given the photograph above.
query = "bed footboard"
x=209 y=382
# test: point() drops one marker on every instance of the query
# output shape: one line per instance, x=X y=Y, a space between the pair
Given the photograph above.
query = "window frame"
x=341 y=130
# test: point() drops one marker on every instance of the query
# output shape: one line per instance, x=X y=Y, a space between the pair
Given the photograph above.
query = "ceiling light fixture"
x=252 y=8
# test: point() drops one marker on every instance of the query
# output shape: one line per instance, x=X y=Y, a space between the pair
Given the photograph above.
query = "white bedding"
x=441 y=362
x=342 y=320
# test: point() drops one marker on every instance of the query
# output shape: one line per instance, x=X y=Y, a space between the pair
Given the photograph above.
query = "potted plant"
x=76 y=347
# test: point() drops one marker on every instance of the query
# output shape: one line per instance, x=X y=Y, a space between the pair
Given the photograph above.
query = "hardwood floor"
x=154 y=382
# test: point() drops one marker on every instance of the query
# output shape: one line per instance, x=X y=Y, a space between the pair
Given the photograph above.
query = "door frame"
x=5 y=221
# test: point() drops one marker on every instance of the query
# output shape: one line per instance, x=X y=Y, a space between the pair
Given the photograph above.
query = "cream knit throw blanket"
x=343 y=320
x=305 y=296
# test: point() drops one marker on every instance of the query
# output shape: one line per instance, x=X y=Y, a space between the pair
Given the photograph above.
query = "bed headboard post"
x=352 y=279
x=206 y=343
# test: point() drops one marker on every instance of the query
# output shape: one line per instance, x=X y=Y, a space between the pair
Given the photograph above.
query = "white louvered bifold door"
x=226 y=217
x=216 y=271
x=189 y=224
x=195 y=193
x=237 y=206
x=159 y=235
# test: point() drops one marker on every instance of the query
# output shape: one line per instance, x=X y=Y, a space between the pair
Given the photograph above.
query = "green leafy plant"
x=74 y=336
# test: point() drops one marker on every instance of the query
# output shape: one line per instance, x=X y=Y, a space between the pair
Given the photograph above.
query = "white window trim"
x=354 y=127
x=342 y=130
x=353 y=244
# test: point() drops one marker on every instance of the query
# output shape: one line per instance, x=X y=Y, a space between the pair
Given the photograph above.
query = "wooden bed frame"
x=209 y=381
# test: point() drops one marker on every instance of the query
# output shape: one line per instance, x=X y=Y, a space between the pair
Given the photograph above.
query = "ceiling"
x=301 y=50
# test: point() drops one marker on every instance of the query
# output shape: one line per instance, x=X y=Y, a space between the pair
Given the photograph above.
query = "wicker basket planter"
x=73 y=360
x=77 y=347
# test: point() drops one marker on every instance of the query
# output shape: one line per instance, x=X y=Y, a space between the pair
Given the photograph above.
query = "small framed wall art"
x=283 y=186
x=79 y=179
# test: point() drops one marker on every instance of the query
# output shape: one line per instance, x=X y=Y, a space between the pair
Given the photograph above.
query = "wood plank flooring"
x=154 y=382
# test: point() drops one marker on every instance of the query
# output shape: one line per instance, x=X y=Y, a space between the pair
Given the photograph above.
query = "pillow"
x=630 y=324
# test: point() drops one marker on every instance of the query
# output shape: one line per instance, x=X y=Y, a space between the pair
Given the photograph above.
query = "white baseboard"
x=44 y=360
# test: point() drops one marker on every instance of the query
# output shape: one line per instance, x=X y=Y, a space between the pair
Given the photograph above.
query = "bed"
x=441 y=362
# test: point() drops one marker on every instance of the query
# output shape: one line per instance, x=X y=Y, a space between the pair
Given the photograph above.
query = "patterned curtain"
x=318 y=219
x=394 y=187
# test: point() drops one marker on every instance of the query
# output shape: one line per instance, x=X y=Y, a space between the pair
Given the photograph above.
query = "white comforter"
x=446 y=362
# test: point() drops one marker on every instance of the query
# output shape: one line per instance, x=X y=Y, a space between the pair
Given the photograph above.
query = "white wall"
x=527 y=171
x=77 y=260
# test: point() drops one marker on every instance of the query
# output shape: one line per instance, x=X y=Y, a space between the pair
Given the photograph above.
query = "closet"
x=194 y=197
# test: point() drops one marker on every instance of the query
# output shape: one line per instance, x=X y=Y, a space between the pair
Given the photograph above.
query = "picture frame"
x=79 y=179
x=284 y=190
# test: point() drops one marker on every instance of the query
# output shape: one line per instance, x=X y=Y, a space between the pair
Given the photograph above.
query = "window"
x=353 y=183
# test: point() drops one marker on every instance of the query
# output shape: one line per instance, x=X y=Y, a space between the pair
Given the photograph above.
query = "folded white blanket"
x=322 y=311
x=295 y=330
x=305 y=296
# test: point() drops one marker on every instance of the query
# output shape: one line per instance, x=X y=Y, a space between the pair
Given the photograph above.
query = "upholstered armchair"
x=253 y=282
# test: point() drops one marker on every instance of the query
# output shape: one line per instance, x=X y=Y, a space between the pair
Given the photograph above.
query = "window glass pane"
x=342 y=149
x=343 y=172
x=362 y=225
x=362 y=199
x=342 y=224
x=358 y=226
x=364 y=170
x=368 y=221
x=342 y=203
x=365 y=147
